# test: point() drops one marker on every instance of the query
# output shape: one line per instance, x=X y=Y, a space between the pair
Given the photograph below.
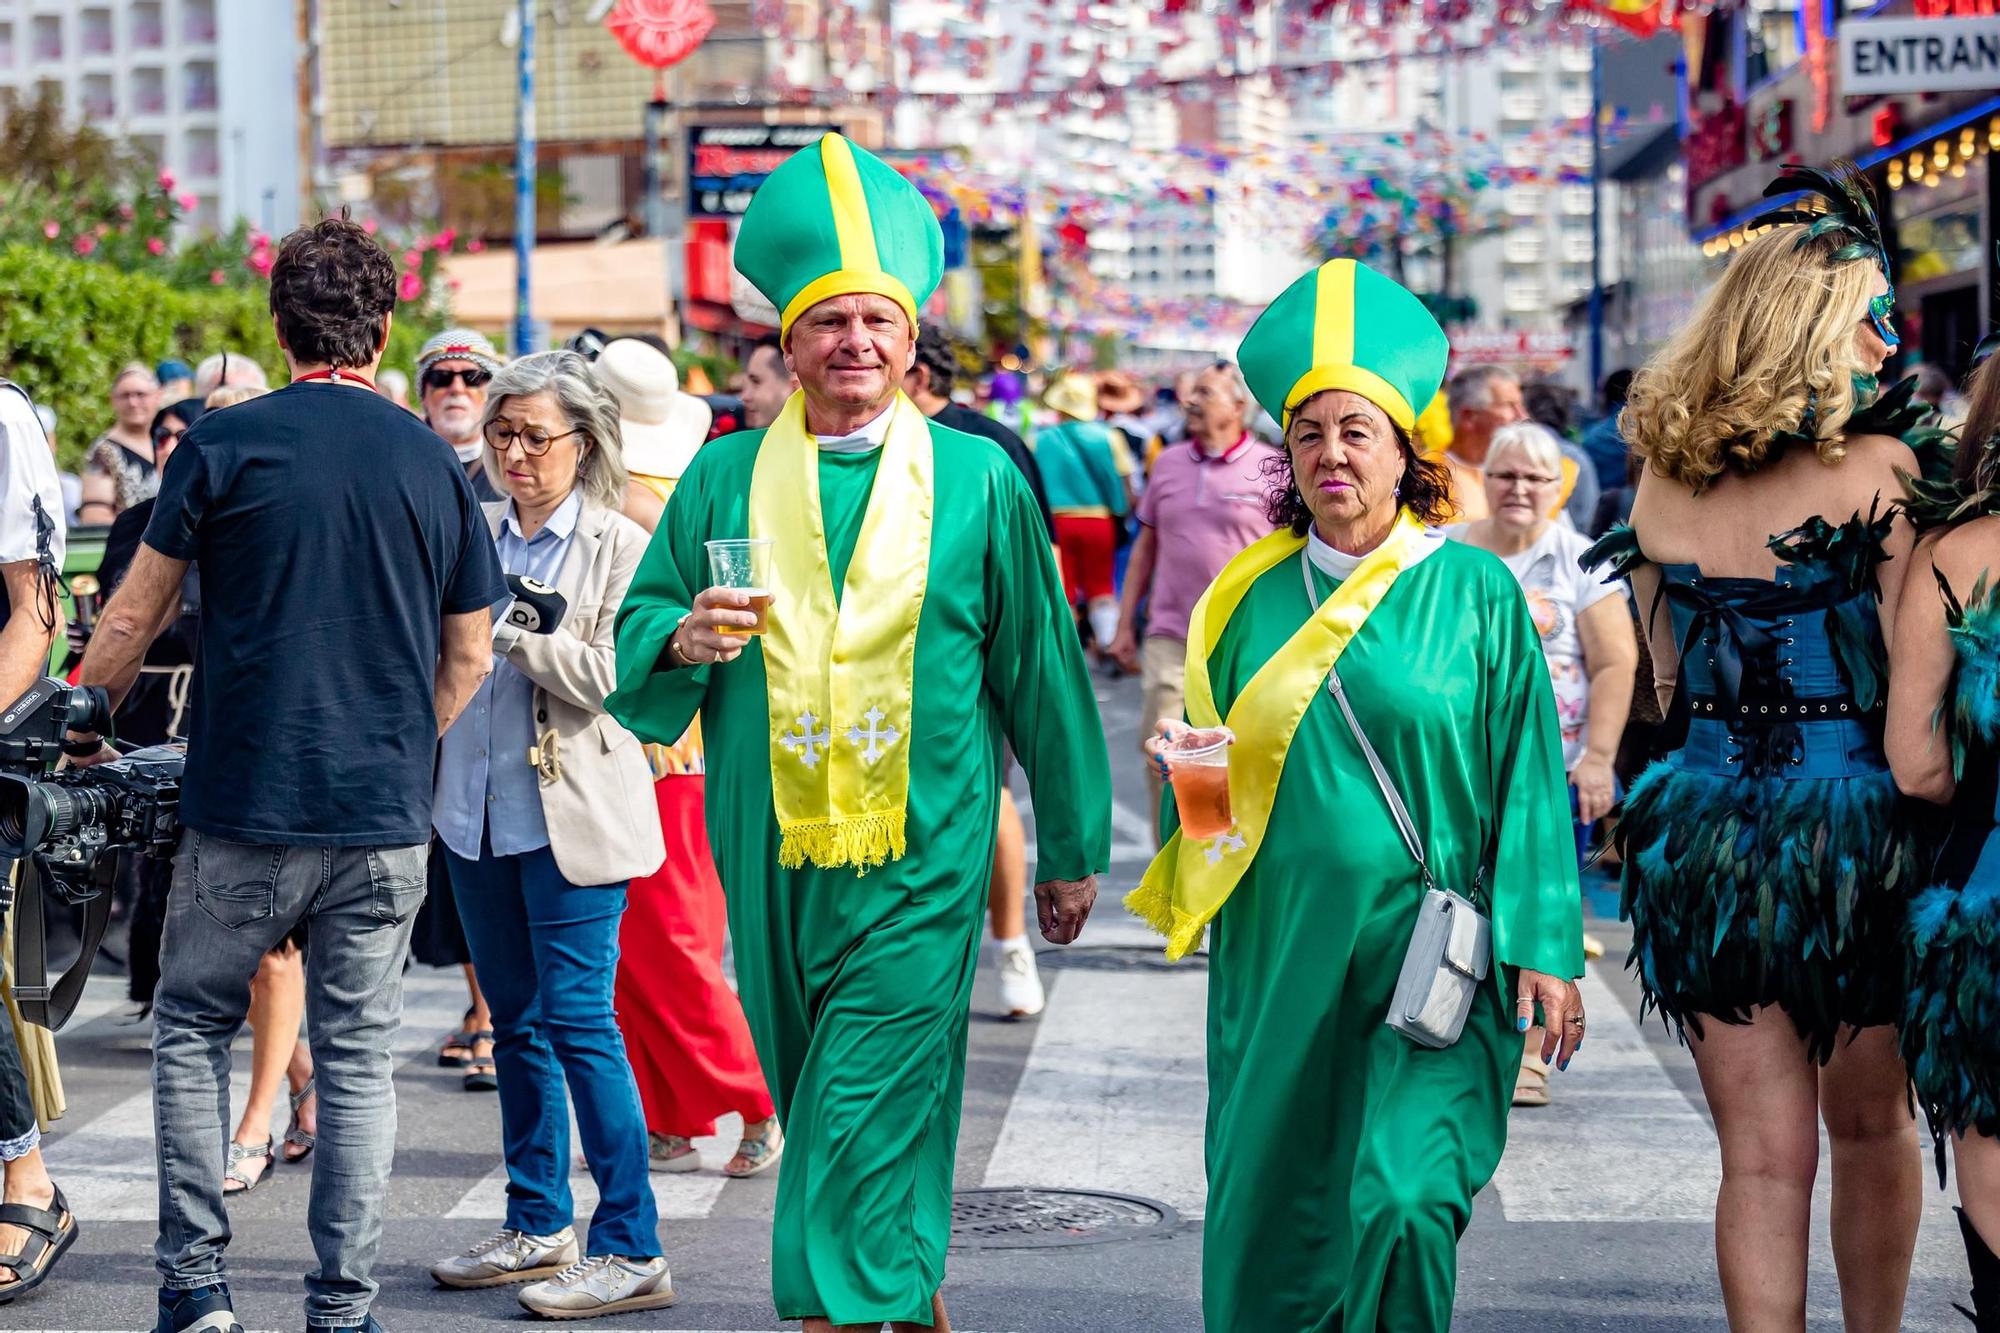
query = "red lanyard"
x=338 y=376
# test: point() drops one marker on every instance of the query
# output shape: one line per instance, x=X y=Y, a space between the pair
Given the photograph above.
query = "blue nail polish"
x=1564 y=1066
x=1520 y=1025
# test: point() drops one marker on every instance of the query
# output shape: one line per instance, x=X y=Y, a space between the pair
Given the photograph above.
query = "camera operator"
x=35 y=1222
x=347 y=576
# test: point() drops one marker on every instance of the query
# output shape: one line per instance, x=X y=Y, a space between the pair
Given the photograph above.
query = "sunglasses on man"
x=440 y=378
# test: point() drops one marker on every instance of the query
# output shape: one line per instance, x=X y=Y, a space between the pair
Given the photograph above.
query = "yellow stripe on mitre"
x=860 y=272
x=1333 y=351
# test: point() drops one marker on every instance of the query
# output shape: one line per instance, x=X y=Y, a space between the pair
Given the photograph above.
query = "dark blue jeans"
x=546 y=952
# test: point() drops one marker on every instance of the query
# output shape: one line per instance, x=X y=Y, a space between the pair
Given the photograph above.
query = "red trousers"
x=1089 y=549
x=683 y=1025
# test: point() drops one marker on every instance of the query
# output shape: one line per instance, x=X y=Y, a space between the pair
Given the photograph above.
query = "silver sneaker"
x=601 y=1284
x=508 y=1256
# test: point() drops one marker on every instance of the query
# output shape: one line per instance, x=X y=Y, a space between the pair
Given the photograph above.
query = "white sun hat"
x=661 y=426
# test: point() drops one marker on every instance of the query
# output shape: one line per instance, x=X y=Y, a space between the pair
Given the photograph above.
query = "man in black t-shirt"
x=347 y=576
x=929 y=381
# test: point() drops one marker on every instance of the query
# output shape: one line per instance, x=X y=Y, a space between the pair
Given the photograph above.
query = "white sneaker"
x=602 y=1284
x=1020 y=984
x=508 y=1256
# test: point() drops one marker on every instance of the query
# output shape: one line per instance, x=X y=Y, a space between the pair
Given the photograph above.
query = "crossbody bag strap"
x=1404 y=824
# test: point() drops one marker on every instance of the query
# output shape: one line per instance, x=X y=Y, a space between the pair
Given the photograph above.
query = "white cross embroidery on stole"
x=1231 y=841
x=876 y=737
x=806 y=746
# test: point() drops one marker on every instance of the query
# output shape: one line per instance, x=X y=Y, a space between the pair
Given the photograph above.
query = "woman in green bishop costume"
x=1342 y=1156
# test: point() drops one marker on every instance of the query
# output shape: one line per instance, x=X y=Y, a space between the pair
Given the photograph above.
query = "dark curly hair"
x=1424 y=488
x=330 y=288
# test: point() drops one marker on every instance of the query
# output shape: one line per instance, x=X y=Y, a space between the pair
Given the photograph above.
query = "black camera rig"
x=64 y=828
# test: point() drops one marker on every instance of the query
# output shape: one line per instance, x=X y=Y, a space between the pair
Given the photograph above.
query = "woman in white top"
x=1587 y=636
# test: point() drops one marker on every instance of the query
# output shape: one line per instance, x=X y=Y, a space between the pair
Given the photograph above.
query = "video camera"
x=60 y=826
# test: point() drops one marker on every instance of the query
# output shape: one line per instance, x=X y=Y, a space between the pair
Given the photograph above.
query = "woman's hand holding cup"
x=1169 y=738
x=717 y=629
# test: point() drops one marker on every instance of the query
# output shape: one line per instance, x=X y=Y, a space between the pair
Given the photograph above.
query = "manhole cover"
x=1019 y=1219
x=1119 y=958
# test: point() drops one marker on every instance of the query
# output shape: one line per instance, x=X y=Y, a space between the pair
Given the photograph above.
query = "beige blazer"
x=604 y=825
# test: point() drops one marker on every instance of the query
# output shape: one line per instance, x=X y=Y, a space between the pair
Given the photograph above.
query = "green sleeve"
x=1036 y=676
x=1537 y=905
x=655 y=698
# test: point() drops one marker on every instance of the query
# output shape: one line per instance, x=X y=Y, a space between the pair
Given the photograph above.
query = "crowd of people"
x=1727 y=639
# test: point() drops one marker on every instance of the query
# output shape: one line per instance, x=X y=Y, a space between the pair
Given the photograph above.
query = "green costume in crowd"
x=856 y=974
x=1342 y=1157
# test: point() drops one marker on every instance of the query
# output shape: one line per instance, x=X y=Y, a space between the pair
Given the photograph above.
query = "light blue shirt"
x=484 y=777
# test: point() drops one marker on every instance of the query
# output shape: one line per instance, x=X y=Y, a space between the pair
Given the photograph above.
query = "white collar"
x=1338 y=565
x=870 y=436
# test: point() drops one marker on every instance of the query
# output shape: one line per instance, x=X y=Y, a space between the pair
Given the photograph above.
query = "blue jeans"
x=231 y=903
x=546 y=952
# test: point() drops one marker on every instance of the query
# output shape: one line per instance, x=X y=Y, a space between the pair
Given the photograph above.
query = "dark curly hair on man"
x=1424 y=489
x=330 y=288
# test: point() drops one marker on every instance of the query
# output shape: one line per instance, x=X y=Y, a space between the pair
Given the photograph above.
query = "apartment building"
x=208 y=89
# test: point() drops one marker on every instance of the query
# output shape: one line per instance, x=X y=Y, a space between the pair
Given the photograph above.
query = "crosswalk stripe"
x=1619 y=1143
x=106 y=1164
x=1117 y=1077
x=678 y=1197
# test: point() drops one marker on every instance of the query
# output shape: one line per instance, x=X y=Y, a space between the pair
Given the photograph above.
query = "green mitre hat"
x=836 y=220
x=1345 y=326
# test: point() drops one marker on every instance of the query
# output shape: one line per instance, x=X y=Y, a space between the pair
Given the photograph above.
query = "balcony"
x=48 y=41
x=204 y=157
x=1526 y=201
x=100 y=98
x=1575 y=106
x=1576 y=249
x=149 y=92
x=94 y=33
x=1524 y=297
x=1522 y=247
x=1516 y=60
x=1576 y=200
x=149 y=30
x=1521 y=106
x=1573 y=59
x=198 y=83
x=6 y=46
x=197 y=21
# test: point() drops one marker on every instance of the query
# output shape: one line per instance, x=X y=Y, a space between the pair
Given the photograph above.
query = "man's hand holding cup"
x=717 y=629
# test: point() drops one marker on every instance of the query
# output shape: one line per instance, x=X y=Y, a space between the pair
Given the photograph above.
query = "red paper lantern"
x=660 y=33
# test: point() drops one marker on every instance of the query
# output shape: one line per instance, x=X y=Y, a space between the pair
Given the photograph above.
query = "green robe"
x=858 y=988
x=1342 y=1157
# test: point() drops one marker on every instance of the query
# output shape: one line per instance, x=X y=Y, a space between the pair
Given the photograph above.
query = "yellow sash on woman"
x=839 y=673
x=1190 y=880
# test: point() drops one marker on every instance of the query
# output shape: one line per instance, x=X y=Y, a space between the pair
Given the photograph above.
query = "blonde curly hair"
x=1773 y=340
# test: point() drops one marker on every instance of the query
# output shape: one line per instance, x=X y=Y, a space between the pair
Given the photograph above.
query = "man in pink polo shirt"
x=1205 y=501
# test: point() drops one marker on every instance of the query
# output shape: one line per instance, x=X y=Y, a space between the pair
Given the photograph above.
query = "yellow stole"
x=1189 y=881
x=839 y=674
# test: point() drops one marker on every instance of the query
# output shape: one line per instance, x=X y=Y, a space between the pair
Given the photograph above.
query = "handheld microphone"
x=537 y=608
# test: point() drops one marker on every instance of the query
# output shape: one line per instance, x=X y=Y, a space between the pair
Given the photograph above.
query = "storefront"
x=1770 y=84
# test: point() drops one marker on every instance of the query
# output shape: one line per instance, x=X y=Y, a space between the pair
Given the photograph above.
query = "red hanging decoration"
x=660 y=33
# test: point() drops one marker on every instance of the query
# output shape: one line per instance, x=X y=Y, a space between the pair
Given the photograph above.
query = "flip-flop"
x=240 y=1153
x=51 y=1231
x=296 y=1137
x=482 y=1075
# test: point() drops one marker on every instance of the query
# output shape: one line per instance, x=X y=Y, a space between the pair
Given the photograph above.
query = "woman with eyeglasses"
x=121 y=467
x=1768 y=859
x=1586 y=636
x=545 y=807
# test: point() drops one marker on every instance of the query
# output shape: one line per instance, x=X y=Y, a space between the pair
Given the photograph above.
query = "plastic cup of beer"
x=743 y=564
x=1200 y=768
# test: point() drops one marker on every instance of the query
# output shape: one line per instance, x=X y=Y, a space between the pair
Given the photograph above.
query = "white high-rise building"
x=207 y=88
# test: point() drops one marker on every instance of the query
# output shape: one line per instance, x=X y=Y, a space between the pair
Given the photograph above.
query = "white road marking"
x=678 y=1197
x=1118 y=1077
x=1619 y=1143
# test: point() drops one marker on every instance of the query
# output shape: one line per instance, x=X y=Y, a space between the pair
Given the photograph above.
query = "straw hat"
x=1073 y=395
x=661 y=426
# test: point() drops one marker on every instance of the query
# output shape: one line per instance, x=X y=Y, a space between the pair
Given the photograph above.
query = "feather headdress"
x=1849 y=209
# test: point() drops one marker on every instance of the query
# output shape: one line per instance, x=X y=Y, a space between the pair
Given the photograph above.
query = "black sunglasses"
x=161 y=434
x=442 y=379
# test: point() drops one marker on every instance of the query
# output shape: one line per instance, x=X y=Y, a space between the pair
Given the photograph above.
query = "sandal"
x=51 y=1231
x=296 y=1137
x=232 y=1172
x=456 y=1053
x=481 y=1074
x=761 y=1154
x=671 y=1154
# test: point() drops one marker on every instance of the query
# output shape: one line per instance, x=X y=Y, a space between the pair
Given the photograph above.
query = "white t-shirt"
x=1558 y=592
x=27 y=472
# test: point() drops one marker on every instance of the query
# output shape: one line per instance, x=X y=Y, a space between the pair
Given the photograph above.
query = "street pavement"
x=1598 y=1218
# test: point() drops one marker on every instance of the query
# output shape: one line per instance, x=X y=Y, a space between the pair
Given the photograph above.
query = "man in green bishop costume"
x=1342 y=1155
x=915 y=619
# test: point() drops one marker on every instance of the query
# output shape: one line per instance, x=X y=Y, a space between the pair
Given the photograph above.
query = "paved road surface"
x=1598 y=1219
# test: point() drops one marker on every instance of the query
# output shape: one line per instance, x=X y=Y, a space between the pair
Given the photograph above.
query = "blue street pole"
x=524 y=187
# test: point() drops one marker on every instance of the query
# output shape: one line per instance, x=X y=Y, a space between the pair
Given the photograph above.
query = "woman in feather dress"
x=1766 y=863
x=1944 y=745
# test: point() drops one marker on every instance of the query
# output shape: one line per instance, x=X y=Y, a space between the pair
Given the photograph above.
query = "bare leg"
x=1977 y=1159
x=1763 y=1093
x=818 y=1325
x=277 y=1002
x=298 y=1074
x=1878 y=1177
x=940 y=1321
x=481 y=1018
x=1006 y=892
x=27 y=1182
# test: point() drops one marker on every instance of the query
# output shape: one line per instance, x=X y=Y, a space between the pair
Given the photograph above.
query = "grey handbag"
x=1451 y=949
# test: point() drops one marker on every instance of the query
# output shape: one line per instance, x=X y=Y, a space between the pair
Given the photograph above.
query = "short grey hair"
x=1473 y=386
x=1530 y=439
x=1232 y=375
x=584 y=402
x=239 y=369
x=135 y=369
